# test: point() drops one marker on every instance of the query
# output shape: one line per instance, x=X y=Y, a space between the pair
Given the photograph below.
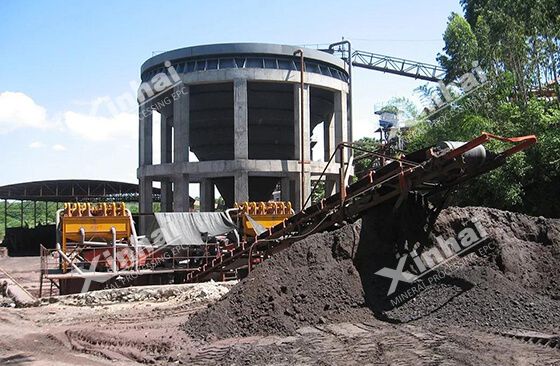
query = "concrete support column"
x=297 y=191
x=166 y=158
x=298 y=104
x=341 y=121
x=241 y=187
x=329 y=141
x=331 y=185
x=145 y=157
x=146 y=201
x=166 y=195
x=145 y=134
x=285 y=191
x=181 y=193
x=241 y=136
x=306 y=122
x=166 y=139
x=206 y=195
x=240 y=119
x=181 y=122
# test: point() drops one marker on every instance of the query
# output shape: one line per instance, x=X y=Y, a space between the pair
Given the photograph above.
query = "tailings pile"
x=511 y=280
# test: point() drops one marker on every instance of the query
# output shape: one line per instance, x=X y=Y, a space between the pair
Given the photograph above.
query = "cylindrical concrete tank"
x=237 y=108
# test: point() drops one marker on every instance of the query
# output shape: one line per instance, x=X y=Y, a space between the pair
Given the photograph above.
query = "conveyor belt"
x=425 y=171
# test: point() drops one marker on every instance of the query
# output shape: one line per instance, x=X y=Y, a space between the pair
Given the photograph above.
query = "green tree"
x=517 y=44
x=520 y=38
x=362 y=161
x=404 y=107
x=461 y=48
x=318 y=192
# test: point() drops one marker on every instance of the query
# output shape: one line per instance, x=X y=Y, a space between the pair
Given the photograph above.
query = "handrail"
x=351 y=145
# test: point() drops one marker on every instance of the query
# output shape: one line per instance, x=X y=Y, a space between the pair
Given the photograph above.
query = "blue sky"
x=59 y=57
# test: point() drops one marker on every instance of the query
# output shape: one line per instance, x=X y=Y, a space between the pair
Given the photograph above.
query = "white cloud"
x=99 y=128
x=59 y=147
x=18 y=110
x=36 y=145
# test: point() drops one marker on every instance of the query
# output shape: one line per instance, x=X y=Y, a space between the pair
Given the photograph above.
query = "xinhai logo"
x=160 y=82
x=429 y=260
x=465 y=85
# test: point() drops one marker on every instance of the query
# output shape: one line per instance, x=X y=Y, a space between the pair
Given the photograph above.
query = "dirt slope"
x=330 y=277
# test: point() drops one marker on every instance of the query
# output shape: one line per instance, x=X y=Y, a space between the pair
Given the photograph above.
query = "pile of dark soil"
x=515 y=283
x=330 y=277
x=527 y=248
x=312 y=282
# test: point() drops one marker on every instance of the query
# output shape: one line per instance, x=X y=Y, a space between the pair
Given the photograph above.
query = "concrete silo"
x=237 y=108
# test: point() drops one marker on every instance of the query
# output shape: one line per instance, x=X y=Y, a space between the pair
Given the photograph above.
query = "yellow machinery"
x=87 y=224
x=265 y=214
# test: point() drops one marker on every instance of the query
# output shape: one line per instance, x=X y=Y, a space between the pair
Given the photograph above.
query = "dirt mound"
x=511 y=281
x=527 y=248
x=331 y=277
x=312 y=282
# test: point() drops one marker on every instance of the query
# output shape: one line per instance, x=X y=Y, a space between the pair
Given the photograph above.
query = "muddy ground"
x=321 y=302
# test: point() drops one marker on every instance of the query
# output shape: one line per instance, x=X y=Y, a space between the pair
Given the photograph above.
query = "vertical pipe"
x=302 y=125
x=46 y=212
x=302 y=134
x=21 y=214
x=341 y=175
x=34 y=213
x=5 y=216
x=350 y=106
x=114 y=262
x=134 y=237
x=349 y=60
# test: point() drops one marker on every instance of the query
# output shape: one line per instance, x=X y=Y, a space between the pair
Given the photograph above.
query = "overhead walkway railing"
x=397 y=66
